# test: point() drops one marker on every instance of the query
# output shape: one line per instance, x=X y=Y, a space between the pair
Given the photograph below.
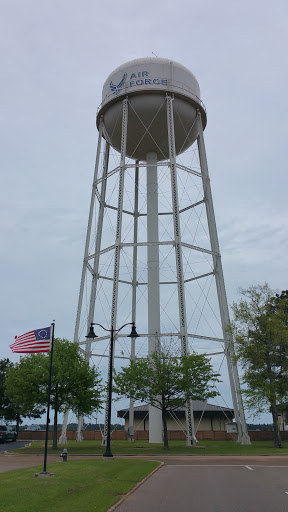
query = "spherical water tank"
x=146 y=82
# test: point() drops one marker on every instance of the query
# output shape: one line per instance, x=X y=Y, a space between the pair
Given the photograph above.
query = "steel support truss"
x=154 y=331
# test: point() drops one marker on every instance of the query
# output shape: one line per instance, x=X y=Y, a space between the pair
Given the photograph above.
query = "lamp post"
x=91 y=335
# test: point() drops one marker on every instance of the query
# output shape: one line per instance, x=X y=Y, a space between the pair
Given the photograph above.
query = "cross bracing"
x=120 y=249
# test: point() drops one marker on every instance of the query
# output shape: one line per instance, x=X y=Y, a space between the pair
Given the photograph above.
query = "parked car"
x=33 y=428
x=7 y=433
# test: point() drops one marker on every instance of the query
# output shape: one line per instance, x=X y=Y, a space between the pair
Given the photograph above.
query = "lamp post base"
x=108 y=454
x=44 y=474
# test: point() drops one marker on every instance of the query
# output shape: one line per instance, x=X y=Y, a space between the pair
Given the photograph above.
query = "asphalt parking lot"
x=213 y=486
x=191 y=483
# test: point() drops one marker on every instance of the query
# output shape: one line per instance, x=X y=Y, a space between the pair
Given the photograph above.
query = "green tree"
x=7 y=411
x=167 y=382
x=75 y=385
x=26 y=402
x=261 y=342
x=5 y=364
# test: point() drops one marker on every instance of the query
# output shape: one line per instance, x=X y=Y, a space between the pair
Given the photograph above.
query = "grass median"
x=85 y=485
x=175 y=448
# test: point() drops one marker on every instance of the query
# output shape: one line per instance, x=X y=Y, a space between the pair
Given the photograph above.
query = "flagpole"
x=48 y=401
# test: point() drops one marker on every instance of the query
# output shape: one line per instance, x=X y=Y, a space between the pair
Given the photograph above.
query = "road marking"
x=206 y=465
x=223 y=466
x=286 y=492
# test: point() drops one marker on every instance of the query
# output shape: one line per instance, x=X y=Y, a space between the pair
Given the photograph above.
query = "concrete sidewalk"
x=10 y=461
x=15 y=461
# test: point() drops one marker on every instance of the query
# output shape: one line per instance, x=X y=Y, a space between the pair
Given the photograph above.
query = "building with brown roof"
x=208 y=417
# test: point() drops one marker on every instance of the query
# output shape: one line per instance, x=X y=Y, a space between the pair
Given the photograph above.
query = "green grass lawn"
x=78 y=485
x=175 y=448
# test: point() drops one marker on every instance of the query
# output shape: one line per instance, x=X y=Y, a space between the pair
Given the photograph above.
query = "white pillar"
x=118 y=235
x=190 y=428
x=79 y=436
x=243 y=436
x=63 y=436
x=155 y=416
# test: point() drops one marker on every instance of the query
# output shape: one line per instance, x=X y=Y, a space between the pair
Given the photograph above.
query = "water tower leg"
x=190 y=430
x=117 y=246
x=98 y=238
x=90 y=318
x=155 y=417
x=243 y=436
x=83 y=276
x=88 y=236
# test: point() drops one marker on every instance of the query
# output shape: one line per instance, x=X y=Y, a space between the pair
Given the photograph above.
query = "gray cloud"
x=54 y=60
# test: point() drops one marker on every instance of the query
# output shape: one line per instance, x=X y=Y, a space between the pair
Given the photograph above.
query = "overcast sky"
x=55 y=57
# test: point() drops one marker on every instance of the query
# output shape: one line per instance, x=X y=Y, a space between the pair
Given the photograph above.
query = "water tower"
x=152 y=254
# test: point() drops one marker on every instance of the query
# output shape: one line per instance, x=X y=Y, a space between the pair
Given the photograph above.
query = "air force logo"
x=141 y=78
x=117 y=88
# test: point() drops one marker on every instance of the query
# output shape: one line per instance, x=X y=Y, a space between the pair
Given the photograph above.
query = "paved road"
x=11 y=446
x=225 y=485
x=11 y=461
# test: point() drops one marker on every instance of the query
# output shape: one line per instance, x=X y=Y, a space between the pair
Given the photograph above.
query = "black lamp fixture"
x=133 y=333
x=91 y=336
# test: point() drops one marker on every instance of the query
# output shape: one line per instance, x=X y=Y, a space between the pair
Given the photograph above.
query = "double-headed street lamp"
x=90 y=337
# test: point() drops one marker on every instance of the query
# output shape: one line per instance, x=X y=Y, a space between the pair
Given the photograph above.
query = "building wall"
x=206 y=424
x=91 y=435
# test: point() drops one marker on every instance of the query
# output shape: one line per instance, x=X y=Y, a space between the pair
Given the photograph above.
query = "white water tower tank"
x=146 y=82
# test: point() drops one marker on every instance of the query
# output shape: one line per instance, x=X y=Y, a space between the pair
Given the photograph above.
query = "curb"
x=135 y=488
x=172 y=455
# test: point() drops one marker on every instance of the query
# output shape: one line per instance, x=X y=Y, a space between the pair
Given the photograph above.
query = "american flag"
x=33 y=341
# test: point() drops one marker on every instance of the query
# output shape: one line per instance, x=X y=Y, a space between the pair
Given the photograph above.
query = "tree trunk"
x=165 y=431
x=277 y=438
x=55 y=432
x=18 y=420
